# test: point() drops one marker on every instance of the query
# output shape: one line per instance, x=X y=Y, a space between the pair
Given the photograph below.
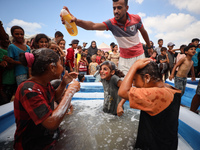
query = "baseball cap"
x=170 y=44
x=84 y=43
x=75 y=41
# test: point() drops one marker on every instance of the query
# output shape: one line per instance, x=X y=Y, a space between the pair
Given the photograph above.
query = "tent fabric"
x=104 y=47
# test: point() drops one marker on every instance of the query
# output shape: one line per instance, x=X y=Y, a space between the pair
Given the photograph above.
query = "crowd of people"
x=30 y=69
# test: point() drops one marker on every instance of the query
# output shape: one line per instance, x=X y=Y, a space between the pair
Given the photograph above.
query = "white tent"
x=104 y=47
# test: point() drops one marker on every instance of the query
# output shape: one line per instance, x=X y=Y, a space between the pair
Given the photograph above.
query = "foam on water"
x=90 y=128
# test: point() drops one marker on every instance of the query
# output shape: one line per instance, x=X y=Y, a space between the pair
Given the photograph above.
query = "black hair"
x=111 y=44
x=195 y=39
x=59 y=34
x=151 y=69
x=83 y=55
x=125 y=2
x=188 y=47
x=182 y=46
x=160 y=40
x=59 y=40
x=80 y=76
x=37 y=38
x=112 y=66
x=16 y=27
x=43 y=57
x=163 y=49
x=103 y=57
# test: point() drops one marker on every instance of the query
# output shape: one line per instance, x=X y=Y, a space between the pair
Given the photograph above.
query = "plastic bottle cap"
x=64 y=12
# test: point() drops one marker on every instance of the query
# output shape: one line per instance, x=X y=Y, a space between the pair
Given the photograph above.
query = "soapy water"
x=89 y=128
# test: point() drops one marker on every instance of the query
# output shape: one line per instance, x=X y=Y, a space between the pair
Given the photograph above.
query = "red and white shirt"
x=127 y=35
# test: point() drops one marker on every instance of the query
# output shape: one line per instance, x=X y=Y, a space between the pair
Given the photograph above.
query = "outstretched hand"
x=74 y=19
x=171 y=77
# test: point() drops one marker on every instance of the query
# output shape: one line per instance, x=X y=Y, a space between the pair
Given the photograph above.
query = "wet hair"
x=58 y=34
x=80 y=77
x=43 y=57
x=163 y=49
x=112 y=66
x=160 y=40
x=125 y=2
x=15 y=27
x=37 y=38
x=151 y=69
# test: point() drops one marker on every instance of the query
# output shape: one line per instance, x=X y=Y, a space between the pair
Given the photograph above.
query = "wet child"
x=36 y=119
x=185 y=65
x=82 y=65
x=93 y=65
x=110 y=78
x=159 y=104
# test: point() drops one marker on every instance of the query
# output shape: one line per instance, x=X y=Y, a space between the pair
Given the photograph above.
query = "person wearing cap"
x=171 y=53
x=70 y=55
x=124 y=27
x=195 y=42
x=84 y=46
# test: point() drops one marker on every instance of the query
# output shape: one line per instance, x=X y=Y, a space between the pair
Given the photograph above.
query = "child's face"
x=86 y=51
x=191 y=51
x=59 y=70
x=163 y=52
x=138 y=81
x=153 y=55
x=74 y=46
x=170 y=47
x=115 y=48
x=83 y=57
x=43 y=43
x=98 y=52
x=83 y=79
x=106 y=55
x=105 y=72
x=18 y=35
x=195 y=43
x=102 y=60
x=160 y=43
x=62 y=44
x=80 y=50
x=54 y=47
x=182 y=50
x=93 y=59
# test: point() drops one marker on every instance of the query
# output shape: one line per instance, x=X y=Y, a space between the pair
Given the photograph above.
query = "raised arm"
x=87 y=25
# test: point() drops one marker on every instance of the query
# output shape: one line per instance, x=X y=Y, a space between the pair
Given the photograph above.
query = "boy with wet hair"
x=185 y=65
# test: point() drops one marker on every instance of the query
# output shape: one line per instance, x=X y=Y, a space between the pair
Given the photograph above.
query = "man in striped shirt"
x=124 y=27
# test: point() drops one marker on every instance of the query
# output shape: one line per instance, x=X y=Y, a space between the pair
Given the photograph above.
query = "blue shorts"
x=180 y=83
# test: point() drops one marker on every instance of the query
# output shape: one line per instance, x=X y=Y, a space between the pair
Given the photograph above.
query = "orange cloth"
x=151 y=100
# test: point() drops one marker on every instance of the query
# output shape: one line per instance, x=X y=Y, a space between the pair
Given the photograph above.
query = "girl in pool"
x=110 y=78
x=159 y=104
x=36 y=119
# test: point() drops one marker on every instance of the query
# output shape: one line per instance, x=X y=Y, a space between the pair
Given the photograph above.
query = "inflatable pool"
x=89 y=128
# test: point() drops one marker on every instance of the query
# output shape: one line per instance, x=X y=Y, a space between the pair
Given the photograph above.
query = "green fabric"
x=2 y=53
x=8 y=76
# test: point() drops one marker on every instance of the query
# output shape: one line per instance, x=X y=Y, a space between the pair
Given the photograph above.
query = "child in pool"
x=110 y=78
x=36 y=119
x=159 y=104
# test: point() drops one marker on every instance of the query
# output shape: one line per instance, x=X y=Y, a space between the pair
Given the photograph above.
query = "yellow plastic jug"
x=70 y=26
